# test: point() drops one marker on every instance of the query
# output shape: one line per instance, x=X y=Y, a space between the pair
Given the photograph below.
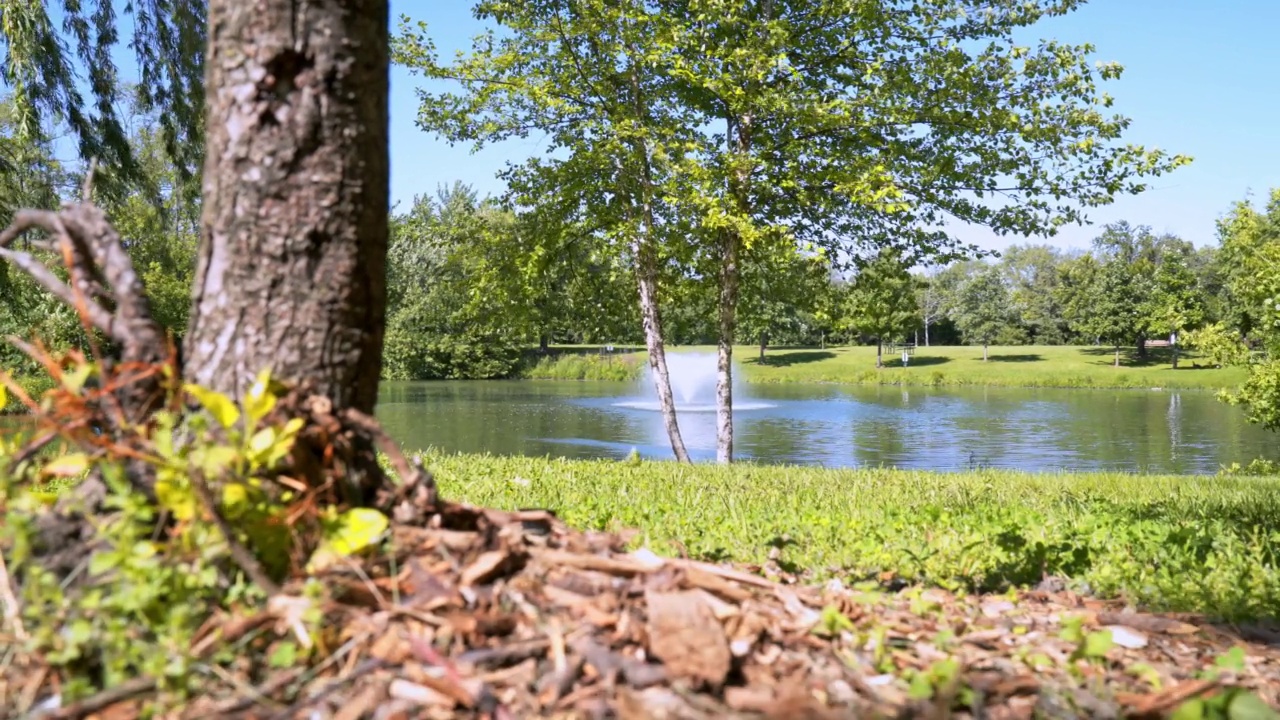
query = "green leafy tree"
x=1114 y=315
x=869 y=121
x=983 y=308
x=1032 y=272
x=781 y=295
x=439 y=326
x=1176 y=304
x=1250 y=250
x=881 y=301
x=850 y=125
x=585 y=74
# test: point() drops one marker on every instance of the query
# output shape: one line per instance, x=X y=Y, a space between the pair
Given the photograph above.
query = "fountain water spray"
x=693 y=385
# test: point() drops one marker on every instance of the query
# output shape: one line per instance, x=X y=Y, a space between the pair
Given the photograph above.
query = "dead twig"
x=411 y=475
x=247 y=562
x=104 y=699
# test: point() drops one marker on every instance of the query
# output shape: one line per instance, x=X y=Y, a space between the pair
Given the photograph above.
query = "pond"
x=1184 y=432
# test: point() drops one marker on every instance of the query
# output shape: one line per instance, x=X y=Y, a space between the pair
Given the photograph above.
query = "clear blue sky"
x=1202 y=78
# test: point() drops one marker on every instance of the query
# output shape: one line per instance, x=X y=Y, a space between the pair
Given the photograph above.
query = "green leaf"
x=262 y=440
x=284 y=656
x=1097 y=644
x=218 y=405
x=1189 y=710
x=101 y=562
x=348 y=534
x=175 y=496
x=69 y=465
x=259 y=400
x=75 y=380
x=1232 y=660
x=921 y=687
x=1247 y=706
x=79 y=632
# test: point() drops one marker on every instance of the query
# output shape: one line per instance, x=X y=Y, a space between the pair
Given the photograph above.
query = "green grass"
x=584 y=365
x=34 y=385
x=1018 y=366
x=1205 y=544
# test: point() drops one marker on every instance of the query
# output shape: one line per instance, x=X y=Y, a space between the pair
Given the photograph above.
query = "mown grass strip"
x=1023 y=366
x=1173 y=543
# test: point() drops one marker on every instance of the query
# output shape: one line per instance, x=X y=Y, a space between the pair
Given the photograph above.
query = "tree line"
x=473 y=286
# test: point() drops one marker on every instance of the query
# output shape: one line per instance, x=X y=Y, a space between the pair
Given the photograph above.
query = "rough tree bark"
x=293 y=246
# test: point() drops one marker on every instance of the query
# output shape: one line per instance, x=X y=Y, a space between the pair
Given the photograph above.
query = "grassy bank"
x=1021 y=366
x=34 y=385
x=1178 y=543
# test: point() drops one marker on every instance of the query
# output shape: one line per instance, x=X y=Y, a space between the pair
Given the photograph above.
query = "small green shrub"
x=150 y=574
x=585 y=366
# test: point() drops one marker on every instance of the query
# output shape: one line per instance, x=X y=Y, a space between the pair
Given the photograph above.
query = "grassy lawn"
x=1020 y=366
x=1178 y=543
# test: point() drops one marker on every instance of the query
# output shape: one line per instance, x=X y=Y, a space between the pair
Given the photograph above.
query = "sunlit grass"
x=1019 y=366
x=1183 y=543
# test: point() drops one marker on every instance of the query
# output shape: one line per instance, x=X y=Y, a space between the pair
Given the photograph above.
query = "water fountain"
x=693 y=386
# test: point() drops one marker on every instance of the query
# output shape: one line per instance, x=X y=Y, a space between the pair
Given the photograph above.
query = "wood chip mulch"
x=509 y=615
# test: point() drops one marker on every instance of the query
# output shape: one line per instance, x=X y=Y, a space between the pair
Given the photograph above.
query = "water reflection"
x=928 y=428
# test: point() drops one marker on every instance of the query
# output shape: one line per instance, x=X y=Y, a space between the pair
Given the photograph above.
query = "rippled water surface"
x=928 y=428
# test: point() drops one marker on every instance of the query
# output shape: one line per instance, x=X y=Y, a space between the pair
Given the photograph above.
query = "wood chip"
x=685 y=635
x=1147 y=623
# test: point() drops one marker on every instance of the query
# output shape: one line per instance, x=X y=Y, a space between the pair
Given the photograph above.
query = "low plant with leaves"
x=197 y=510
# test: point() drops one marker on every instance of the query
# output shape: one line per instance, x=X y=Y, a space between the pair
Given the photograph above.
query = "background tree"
x=584 y=73
x=30 y=177
x=438 y=326
x=881 y=301
x=1250 y=248
x=983 y=308
x=934 y=292
x=1032 y=273
x=1175 y=304
x=781 y=295
x=1112 y=307
x=168 y=41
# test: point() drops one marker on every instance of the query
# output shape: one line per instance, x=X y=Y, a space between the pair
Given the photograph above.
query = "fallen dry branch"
x=497 y=619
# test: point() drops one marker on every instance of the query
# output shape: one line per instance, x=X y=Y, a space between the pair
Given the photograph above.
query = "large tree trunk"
x=764 y=343
x=724 y=351
x=291 y=268
x=879 y=353
x=1142 y=348
x=985 y=356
